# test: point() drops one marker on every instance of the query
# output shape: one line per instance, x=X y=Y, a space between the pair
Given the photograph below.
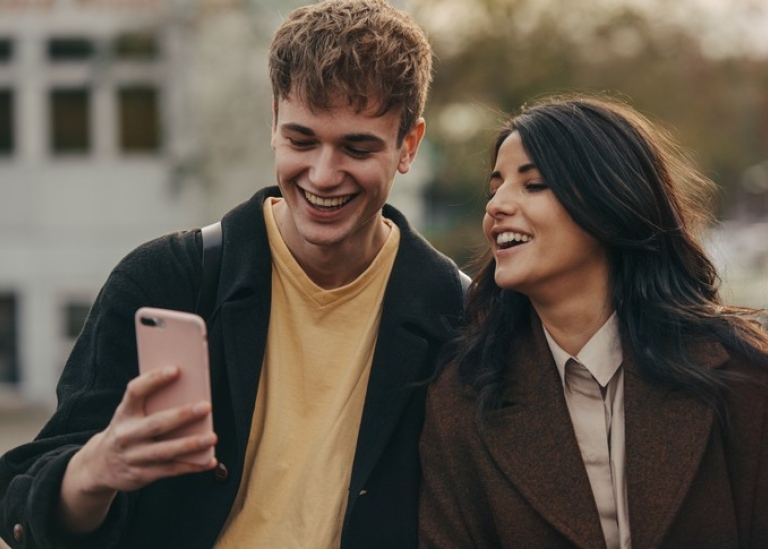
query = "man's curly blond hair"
x=366 y=51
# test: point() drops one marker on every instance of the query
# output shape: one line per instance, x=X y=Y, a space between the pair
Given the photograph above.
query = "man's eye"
x=299 y=143
x=358 y=153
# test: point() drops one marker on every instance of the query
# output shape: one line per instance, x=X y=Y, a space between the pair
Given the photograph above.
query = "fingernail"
x=201 y=408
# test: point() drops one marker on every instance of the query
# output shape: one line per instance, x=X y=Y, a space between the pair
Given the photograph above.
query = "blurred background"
x=124 y=119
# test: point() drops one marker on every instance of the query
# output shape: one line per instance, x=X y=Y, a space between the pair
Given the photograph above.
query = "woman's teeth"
x=509 y=239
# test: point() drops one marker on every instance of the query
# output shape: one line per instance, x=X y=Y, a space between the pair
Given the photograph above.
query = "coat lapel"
x=667 y=433
x=533 y=443
x=245 y=299
x=414 y=321
x=398 y=365
x=245 y=339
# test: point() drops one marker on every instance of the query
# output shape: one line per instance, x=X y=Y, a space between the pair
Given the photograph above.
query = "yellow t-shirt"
x=309 y=404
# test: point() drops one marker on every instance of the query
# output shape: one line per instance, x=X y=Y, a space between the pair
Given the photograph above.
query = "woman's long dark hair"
x=625 y=183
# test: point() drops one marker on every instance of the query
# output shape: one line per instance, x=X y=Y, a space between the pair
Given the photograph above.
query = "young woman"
x=600 y=393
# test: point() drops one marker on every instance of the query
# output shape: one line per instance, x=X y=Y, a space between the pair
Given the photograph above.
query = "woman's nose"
x=501 y=203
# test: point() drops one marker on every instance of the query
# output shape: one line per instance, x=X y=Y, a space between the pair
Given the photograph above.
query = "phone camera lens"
x=151 y=321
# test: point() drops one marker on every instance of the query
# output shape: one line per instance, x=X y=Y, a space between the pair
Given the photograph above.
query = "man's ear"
x=411 y=143
x=274 y=122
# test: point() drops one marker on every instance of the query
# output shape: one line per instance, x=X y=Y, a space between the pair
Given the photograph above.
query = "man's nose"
x=326 y=169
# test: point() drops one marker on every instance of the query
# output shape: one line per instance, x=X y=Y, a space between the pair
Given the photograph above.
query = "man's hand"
x=128 y=454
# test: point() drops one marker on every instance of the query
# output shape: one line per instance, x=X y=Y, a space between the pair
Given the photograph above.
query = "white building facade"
x=84 y=173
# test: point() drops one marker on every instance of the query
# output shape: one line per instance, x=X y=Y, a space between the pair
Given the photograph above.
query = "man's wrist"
x=83 y=503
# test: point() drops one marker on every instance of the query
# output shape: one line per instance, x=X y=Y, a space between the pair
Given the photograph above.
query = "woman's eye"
x=534 y=187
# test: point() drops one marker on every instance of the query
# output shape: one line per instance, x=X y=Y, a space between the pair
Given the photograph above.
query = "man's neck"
x=331 y=266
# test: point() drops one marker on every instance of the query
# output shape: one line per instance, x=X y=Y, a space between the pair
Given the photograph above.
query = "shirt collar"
x=601 y=355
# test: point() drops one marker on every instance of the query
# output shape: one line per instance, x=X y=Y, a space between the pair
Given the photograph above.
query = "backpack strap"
x=465 y=282
x=206 y=297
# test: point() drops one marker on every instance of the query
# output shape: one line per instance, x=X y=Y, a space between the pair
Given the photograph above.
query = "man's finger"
x=146 y=384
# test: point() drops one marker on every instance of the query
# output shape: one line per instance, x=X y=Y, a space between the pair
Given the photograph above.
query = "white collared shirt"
x=602 y=357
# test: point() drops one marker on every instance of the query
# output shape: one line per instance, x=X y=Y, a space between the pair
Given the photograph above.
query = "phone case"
x=164 y=338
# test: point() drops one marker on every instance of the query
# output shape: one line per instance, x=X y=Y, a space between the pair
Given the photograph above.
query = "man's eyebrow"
x=351 y=138
x=364 y=138
x=298 y=128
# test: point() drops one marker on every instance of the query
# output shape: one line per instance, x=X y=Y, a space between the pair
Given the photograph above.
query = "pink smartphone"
x=164 y=338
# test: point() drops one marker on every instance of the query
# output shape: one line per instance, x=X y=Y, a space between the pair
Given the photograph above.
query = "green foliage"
x=495 y=55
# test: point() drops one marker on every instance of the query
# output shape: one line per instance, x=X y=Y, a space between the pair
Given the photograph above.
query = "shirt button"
x=221 y=473
x=18 y=533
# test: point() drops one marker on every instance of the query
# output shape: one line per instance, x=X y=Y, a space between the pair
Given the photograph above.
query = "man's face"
x=335 y=169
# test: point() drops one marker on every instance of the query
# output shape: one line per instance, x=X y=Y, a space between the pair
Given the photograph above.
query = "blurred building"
x=120 y=120
x=90 y=111
x=738 y=243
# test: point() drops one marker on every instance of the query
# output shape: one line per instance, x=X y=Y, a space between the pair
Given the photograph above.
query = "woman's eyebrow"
x=525 y=168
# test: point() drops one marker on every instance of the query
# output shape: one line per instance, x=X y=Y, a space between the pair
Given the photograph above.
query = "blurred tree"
x=494 y=55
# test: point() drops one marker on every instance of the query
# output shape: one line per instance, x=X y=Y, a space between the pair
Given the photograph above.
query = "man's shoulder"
x=161 y=271
x=180 y=246
x=413 y=240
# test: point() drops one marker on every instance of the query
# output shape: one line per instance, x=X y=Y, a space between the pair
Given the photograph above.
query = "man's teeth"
x=512 y=238
x=333 y=202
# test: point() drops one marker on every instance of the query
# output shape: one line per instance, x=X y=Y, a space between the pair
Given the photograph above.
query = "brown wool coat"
x=521 y=482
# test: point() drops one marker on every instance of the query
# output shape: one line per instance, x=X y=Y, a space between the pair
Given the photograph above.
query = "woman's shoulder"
x=747 y=388
x=447 y=390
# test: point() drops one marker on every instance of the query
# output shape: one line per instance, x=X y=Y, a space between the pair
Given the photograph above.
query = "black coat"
x=422 y=301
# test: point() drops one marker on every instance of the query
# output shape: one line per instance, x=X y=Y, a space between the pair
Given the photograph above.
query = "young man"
x=329 y=313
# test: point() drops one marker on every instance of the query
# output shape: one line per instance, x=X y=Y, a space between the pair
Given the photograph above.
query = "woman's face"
x=539 y=250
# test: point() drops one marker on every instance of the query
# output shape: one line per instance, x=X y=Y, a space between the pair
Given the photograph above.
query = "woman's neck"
x=574 y=321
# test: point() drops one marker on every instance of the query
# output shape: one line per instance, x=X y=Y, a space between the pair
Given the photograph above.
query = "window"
x=136 y=46
x=9 y=359
x=62 y=50
x=6 y=50
x=139 y=120
x=6 y=122
x=75 y=313
x=70 y=120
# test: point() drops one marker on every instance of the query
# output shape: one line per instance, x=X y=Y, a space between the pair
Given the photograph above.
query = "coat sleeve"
x=759 y=535
x=452 y=508
x=162 y=273
x=746 y=446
